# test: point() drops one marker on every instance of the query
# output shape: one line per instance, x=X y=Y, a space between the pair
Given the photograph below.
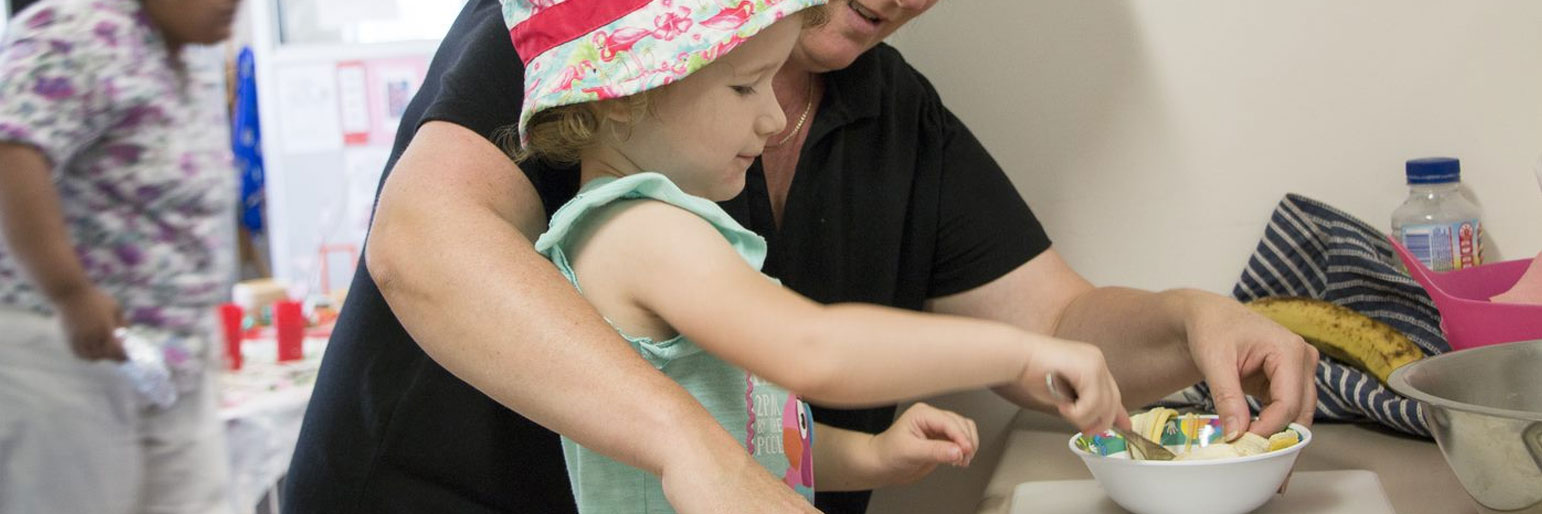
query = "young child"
x=665 y=104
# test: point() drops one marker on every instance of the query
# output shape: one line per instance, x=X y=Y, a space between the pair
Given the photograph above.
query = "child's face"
x=708 y=128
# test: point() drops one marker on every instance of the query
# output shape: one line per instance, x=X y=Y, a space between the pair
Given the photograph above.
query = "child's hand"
x=923 y=437
x=1087 y=395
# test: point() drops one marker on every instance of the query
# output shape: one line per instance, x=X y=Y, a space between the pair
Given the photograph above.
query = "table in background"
x=262 y=406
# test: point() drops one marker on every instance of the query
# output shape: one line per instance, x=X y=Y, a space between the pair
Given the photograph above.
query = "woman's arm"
x=451 y=251
x=32 y=221
x=1157 y=342
x=42 y=131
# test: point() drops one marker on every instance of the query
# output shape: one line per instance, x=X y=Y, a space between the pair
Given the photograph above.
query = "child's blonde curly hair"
x=557 y=135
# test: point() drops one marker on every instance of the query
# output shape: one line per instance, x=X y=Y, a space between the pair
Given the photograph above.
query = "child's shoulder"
x=640 y=212
x=641 y=199
x=605 y=199
x=634 y=221
x=644 y=220
x=646 y=213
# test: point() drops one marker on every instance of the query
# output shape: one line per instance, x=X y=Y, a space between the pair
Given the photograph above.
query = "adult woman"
x=115 y=192
x=874 y=194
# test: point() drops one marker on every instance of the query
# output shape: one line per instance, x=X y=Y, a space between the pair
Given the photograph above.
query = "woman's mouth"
x=864 y=13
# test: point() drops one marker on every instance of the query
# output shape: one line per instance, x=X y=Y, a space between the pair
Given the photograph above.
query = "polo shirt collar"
x=851 y=94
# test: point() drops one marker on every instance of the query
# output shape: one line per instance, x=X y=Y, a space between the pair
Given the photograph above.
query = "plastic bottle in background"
x=1436 y=223
x=146 y=369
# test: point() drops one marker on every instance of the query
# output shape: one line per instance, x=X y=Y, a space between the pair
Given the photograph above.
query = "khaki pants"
x=75 y=437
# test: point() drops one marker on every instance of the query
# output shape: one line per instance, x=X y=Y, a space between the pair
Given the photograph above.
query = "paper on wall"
x=307 y=109
x=353 y=103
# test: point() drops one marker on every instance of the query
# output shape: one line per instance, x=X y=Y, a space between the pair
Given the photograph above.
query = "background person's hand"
x=920 y=439
x=89 y=318
x=1240 y=352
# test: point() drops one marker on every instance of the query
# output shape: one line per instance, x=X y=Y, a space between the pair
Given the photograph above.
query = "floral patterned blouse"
x=140 y=153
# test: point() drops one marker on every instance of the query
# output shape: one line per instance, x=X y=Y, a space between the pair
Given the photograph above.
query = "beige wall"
x=1154 y=137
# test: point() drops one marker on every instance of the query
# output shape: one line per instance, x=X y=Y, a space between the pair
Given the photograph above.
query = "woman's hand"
x=1240 y=352
x=89 y=318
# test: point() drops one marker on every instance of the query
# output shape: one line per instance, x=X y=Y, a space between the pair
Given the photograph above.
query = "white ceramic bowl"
x=1221 y=486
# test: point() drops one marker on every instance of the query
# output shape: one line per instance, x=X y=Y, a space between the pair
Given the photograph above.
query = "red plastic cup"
x=289 y=323
x=230 y=325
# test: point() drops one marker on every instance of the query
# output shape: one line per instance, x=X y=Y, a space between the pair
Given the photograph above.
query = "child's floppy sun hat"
x=578 y=51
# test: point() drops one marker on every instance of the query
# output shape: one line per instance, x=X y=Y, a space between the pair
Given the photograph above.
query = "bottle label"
x=1445 y=246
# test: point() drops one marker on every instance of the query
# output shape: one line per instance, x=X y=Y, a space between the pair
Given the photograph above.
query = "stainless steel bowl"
x=1484 y=406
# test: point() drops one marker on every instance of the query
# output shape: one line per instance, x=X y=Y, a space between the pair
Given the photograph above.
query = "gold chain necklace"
x=802 y=117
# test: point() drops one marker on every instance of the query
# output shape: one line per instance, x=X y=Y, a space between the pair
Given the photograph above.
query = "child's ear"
x=614 y=112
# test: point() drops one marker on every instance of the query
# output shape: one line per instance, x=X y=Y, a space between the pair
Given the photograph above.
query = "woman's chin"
x=827 y=51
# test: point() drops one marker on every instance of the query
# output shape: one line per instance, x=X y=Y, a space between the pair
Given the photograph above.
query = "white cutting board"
x=1310 y=492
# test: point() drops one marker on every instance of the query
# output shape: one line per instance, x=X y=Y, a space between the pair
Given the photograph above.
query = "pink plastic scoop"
x=1467 y=315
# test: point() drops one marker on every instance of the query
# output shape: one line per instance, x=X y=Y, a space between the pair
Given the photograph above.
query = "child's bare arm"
x=673 y=264
x=922 y=438
x=676 y=266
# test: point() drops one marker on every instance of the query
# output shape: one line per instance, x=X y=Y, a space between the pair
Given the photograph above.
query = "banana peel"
x=1342 y=333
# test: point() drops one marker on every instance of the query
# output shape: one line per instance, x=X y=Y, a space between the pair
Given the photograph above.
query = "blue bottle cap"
x=1434 y=170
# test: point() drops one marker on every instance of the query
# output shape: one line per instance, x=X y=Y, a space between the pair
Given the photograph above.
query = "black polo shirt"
x=894 y=202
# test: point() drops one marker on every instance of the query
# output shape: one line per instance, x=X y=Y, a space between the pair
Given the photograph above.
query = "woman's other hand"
x=89 y=317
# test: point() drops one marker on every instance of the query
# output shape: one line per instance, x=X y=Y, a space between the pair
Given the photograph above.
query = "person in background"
x=460 y=346
x=116 y=193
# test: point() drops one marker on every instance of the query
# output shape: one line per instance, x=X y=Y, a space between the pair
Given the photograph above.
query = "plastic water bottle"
x=1436 y=223
x=146 y=368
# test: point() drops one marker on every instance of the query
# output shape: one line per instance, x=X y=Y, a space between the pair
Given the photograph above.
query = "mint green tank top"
x=772 y=424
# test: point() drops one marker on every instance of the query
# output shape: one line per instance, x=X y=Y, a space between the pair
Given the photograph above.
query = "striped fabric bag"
x=1315 y=251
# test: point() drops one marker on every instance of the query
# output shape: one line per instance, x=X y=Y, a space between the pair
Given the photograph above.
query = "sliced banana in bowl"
x=1210 y=476
x=1190 y=437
